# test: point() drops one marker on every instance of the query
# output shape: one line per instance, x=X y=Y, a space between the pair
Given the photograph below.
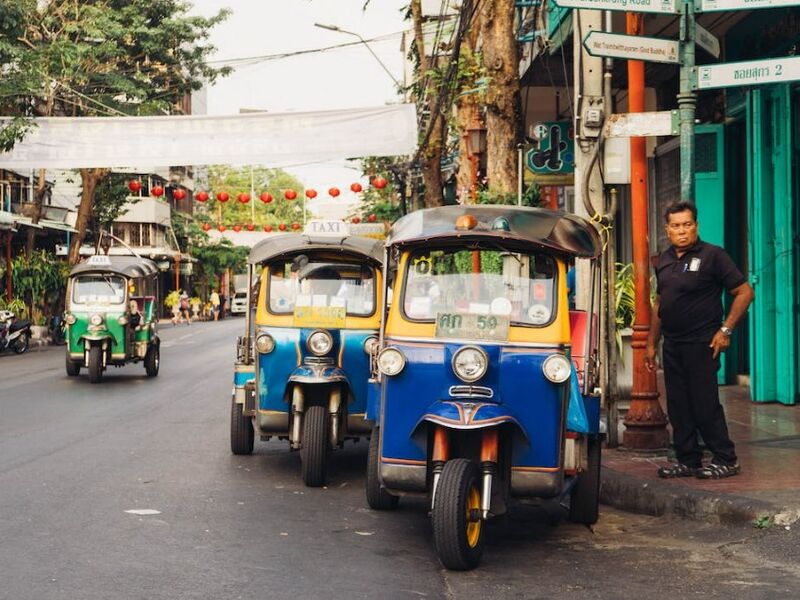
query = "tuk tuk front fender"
x=96 y=337
x=468 y=415
x=317 y=374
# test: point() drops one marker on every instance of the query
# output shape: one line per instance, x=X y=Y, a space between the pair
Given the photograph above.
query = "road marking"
x=143 y=511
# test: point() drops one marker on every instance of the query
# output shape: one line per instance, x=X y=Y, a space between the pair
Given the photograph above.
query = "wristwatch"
x=726 y=330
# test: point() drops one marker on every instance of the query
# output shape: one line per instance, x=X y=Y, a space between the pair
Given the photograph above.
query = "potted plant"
x=195 y=303
x=172 y=302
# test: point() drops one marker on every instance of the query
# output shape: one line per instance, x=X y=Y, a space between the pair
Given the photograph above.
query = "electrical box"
x=617 y=160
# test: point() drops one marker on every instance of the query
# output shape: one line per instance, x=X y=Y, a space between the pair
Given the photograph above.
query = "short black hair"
x=679 y=207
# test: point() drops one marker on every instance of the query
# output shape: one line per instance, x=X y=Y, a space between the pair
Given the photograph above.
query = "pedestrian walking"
x=691 y=276
x=214 y=298
x=183 y=310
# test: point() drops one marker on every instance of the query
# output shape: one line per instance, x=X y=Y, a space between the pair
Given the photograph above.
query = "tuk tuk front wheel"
x=377 y=497
x=73 y=367
x=585 y=498
x=314 y=453
x=457 y=524
x=95 y=364
x=152 y=360
x=242 y=433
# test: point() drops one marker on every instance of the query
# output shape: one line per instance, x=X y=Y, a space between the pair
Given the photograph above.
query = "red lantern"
x=201 y=196
x=333 y=192
x=290 y=194
x=250 y=227
x=356 y=187
x=295 y=225
x=282 y=226
x=157 y=191
x=311 y=193
x=243 y=198
x=237 y=228
x=266 y=197
x=372 y=218
x=206 y=227
x=221 y=228
x=356 y=220
x=134 y=185
x=268 y=228
x=379 y=182
x=222 y=196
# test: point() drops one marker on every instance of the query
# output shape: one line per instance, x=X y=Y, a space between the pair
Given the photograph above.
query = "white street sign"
x=646 y=6
x=751 y=72
x=631 y=47
x=719 y=5
x=707 y=40
x=643 y=124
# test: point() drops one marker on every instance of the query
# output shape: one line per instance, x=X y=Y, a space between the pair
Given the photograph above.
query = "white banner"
x=247 y=139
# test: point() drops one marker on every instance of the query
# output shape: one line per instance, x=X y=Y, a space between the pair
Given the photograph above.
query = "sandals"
x=676 y=470
x=715 y=471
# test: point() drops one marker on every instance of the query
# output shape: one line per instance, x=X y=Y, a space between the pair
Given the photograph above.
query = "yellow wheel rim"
x=473 y=527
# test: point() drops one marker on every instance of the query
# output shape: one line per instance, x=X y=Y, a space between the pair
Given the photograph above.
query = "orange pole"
x=646 y=425
x=441 y=449
x=489 y=446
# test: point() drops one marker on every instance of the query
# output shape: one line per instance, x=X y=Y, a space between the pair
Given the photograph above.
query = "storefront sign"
x=554 y=151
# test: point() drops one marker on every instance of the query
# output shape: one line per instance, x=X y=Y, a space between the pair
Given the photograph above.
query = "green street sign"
x=721 y=5
x=645 y=6
x=631 y=47
x=750 y=72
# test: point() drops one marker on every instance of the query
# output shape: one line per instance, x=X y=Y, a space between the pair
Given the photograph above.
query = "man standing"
x=214 y=299
x=691 y=276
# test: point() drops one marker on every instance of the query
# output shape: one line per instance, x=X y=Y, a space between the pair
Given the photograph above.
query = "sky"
x=338 y=78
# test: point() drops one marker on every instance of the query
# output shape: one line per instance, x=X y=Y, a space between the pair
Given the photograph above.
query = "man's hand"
x=720 y=343
x=650 y=357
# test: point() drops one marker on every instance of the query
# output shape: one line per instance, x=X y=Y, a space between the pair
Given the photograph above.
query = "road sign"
x=750 y=72
x=631 y=47
x=643 y=124
x=720 y=5
x=646 y=6
x=707 y=40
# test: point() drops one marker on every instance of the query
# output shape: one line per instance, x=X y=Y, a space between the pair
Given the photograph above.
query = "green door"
x=772 y=213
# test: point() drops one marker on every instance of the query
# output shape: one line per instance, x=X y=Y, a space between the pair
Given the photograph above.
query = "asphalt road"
x=75 y=458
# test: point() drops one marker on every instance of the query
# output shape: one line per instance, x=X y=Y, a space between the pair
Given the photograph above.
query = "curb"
x=657 y=498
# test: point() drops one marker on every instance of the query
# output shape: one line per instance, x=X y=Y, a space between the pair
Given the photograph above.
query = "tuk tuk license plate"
x=471 y=326
x=329 y=317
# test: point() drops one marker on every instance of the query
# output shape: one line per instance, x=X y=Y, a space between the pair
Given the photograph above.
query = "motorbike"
x=14 y=333
x=57 y=330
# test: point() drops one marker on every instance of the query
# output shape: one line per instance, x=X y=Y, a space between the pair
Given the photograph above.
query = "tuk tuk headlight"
x=96 y=320
x=70 y=319
x=391 y=361
x=265 y=343
x=470 y=363
x=557 y=368
x=123 y=320
x=320 y=343
x=371 y=344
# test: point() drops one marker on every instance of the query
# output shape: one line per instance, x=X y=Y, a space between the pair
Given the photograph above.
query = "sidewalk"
x=767 y=438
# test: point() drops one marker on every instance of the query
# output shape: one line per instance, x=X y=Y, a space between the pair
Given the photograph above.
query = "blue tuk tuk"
x=486 y=377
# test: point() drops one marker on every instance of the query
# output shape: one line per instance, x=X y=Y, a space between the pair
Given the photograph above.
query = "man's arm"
x=653 y=336
x=742 y=298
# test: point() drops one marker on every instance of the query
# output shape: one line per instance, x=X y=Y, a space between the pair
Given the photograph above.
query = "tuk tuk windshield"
x=101 y=289
x=517 y=286
x=321 y=284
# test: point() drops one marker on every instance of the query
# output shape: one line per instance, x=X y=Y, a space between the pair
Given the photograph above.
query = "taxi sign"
x=327 y=227
x=99 y=260
x=328 y=317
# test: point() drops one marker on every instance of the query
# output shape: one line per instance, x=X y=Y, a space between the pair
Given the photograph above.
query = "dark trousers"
x=690 y=376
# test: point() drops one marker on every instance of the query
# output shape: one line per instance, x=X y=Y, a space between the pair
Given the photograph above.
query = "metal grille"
x=470 y=391
x=706 y=152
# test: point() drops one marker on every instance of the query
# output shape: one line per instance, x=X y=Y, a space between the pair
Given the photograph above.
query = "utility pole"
x=687 y=99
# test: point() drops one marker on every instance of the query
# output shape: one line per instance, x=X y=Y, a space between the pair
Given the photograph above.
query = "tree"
x=99 y=58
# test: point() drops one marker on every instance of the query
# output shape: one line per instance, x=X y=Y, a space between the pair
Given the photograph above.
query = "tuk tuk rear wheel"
x=73 y=367
x=585 y=498
x=95 y=364
x=377 y=497
x=457 y=525
x=314 y=453
x=242 y=433
x=152 y=360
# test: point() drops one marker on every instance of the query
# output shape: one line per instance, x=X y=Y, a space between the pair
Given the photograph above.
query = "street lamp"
x=363 y=41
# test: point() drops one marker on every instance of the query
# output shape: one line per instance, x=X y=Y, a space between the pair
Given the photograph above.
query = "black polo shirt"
x=691 y=287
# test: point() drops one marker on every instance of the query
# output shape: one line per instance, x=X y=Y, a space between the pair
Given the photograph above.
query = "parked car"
x=239 y=303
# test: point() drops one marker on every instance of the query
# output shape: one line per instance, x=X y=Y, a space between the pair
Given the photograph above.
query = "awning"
x=42 y=224
x=7 y=221
x=275 y=139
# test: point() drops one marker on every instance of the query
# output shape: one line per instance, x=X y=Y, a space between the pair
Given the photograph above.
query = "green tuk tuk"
x=111 y=315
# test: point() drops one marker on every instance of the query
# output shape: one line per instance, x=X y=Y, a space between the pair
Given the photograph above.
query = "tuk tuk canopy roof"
x=292 y=243
x=127 y=266
x=557 y=231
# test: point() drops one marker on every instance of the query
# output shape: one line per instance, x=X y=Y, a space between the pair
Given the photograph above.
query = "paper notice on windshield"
x=468 y=326
x=329 y=317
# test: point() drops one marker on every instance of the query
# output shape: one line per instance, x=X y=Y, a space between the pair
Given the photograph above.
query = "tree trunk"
x=36 y=213
x=430 y=149
x=503 y=110
x=89 y=180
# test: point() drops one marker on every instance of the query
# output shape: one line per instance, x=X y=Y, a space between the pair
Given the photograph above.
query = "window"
x=98 y=289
